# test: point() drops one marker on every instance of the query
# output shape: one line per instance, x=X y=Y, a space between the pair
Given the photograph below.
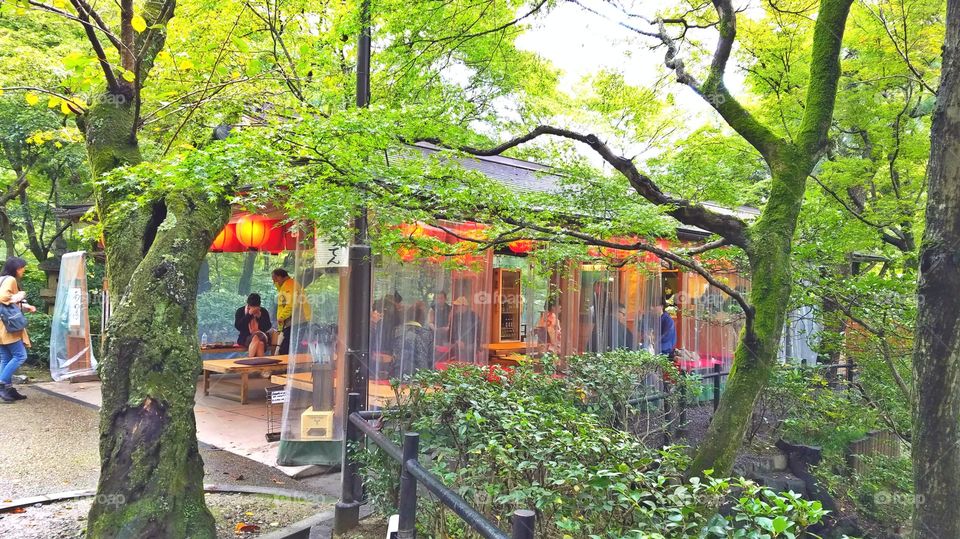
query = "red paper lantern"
x=277 y=239
x=521 y=246
x=252 y=231
x=226 y=240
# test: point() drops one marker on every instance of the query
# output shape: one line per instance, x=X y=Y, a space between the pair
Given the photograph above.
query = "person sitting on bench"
x=253 y=323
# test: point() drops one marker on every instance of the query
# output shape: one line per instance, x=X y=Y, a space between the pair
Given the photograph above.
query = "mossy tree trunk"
x=768 y=250
x=769 y=240
x=936 y=355
x=148 y=441
x=151 y=476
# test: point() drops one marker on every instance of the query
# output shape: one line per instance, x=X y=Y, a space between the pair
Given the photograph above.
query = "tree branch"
x=713 y=90
x=101 y=26
x=895 y=239
x=651 y=248
x=706 y=247
x=74 y=106
x=824 y=76
x=113 y=85
x=880 y=333
x=685 y=211
x=19 y=186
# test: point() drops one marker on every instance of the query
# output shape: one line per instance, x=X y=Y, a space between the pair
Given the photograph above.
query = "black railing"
x=412 y=473
x=717 y=376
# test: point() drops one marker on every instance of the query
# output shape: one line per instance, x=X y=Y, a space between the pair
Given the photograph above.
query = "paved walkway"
x=49 y=444
x=223 y=423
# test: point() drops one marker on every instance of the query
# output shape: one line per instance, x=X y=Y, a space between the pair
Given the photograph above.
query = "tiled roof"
x=521 y=175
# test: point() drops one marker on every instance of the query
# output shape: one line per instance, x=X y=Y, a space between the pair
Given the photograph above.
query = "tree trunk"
x=151 y=477
x=34 y=242
x=249 y=264
x=108 y=129
x=6 y=230
x=771 y=241
x=936 y=355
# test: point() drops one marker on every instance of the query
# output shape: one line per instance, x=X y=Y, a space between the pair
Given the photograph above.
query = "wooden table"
x=223 y=350
x=230 y=366
x=510 y=361
x=380 y=394
x=507 y=348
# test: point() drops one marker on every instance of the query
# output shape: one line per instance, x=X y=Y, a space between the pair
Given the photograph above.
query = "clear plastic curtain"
x=428 y=311
x=616 y=307
x=529 y=305
x=71 y=353
x=226 y=280
x=709 y=320
x=800 y=336
x=315 y=400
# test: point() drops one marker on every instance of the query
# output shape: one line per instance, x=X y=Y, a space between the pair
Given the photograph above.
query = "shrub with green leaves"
x=801 y=407
x=39 y=328
x=882 y=492
x=530 y=440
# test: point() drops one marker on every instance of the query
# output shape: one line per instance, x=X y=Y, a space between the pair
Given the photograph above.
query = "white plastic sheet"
x=71 y=354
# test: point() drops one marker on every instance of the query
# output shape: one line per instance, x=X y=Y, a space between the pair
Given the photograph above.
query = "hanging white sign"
x=75 y=307
x=329 y=255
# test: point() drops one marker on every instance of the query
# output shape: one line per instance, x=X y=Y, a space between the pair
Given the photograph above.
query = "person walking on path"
x=13 y=344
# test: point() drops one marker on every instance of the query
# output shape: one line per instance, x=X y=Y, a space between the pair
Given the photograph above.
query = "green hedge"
x=39 y=330
x=529 y=440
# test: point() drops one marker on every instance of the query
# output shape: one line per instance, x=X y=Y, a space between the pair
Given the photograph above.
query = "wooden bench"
x=380 y=394
x=230 y=366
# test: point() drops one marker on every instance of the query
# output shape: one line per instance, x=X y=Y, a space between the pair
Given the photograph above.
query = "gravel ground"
x=49 y=445
x=259 y=514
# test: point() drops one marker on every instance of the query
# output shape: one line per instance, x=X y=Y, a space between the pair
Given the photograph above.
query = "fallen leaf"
x=277 y=481
x=243 y=527
x=249 y=513
x=239 y=477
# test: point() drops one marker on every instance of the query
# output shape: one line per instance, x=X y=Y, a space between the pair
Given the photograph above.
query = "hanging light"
x=252 y=231
x=521 y=246
x=225 y=238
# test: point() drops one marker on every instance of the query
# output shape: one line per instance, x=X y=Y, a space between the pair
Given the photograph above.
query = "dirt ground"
x=49 y=445
x=256 y=513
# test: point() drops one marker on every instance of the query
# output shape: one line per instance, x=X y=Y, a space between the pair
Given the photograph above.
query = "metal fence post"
x=716 y=386
x=667 y=413
x=682 y=403
x=346 y=515
x=524 y=521
x=408 y=488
